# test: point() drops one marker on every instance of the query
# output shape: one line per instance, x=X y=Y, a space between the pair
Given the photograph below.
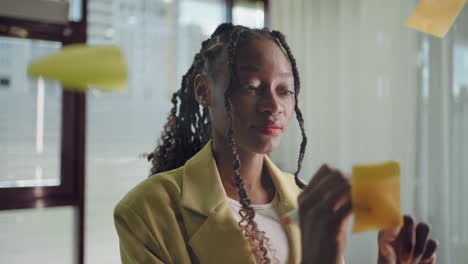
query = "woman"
x=215 y=196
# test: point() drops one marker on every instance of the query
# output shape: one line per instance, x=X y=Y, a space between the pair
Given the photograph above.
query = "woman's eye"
x=252 y=88
x=287 y=92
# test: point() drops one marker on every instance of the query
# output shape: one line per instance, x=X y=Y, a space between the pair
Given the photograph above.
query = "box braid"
x=297 y=84
x=247 y=224
x=188 y=129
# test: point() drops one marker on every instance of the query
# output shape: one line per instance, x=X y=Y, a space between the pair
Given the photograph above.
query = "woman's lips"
x=271 y=130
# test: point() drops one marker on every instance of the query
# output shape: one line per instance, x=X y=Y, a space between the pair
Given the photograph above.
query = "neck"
x=258 y=185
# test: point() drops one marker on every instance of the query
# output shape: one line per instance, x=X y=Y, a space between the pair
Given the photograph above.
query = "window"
x=41 y=135
x=249 y=13
x=159 y=40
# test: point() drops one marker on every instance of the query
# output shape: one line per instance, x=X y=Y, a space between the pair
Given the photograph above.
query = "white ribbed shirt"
x=268 y=219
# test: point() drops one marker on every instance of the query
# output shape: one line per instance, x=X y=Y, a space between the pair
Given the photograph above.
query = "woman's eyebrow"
x=253 y=68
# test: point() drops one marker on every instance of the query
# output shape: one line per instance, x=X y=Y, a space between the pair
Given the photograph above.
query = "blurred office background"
x=372 y=90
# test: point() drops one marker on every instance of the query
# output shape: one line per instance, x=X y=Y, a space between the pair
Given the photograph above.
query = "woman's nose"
x=270 y=103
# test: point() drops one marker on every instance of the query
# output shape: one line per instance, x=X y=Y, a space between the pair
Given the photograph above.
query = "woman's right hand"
x=324 y=212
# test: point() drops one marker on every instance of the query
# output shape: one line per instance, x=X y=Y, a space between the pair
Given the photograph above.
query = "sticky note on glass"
x=435 y=17
x=79 y=66
x=375 y=196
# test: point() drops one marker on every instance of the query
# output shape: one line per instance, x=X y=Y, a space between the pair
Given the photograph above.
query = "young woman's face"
x=263 y=100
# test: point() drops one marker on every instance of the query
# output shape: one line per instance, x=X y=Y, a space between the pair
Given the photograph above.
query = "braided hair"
x=188 y=127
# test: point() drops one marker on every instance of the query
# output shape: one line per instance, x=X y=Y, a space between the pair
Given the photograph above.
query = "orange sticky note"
x=435 y=17
x=375 y=196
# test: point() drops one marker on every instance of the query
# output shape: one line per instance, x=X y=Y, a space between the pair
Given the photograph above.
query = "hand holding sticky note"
x=435 y=17
x=375 y=197
x=79 y=66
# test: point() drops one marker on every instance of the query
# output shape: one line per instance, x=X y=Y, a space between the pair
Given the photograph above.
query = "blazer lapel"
x=213 y=231
x=288 y=192
x=219 y=240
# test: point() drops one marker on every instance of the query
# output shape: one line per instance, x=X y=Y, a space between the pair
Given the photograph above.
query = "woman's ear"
x=202 y=90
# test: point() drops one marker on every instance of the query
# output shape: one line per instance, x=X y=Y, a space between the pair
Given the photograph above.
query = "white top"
x=268 y=219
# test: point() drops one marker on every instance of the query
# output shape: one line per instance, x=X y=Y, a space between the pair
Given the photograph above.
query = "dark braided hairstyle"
x=188 y=127
x=297 y=84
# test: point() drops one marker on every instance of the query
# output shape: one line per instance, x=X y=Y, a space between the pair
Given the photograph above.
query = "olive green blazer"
x=182 y=216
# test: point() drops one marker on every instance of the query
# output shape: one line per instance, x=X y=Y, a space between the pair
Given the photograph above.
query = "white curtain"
x=375 y=90
x=359 y=69
x=442 y=178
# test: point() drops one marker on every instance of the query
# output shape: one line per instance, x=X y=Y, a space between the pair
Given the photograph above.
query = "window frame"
x=71 y=190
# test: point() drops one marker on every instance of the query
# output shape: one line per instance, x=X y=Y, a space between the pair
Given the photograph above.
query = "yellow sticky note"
x=375 y=196
x=435 y=17
x=78 y=66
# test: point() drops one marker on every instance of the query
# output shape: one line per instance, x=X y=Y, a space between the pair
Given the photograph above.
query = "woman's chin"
x=263 y=145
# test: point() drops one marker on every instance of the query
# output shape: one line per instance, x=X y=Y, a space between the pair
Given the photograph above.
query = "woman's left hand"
x=409 y=244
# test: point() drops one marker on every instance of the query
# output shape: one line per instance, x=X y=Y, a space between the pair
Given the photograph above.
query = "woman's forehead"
x=255 y=55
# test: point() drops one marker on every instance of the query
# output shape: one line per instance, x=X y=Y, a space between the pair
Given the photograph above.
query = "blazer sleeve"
x=136 y=242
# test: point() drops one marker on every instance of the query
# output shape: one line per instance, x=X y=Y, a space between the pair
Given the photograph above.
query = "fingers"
x=327 y=197
x=422 y=234
x=386 y=239
x=341 y=219
x=405 y=240
x=329 y=194
x=432 y=260
x=344 y=210
x=317 y=180
x=337 y=197
x=319 y=176
x=321 y=188
x=325 y=205
x=429 y=252
x=324 y=170
x=389 y=235
x=413 y=244
x=318 y=190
